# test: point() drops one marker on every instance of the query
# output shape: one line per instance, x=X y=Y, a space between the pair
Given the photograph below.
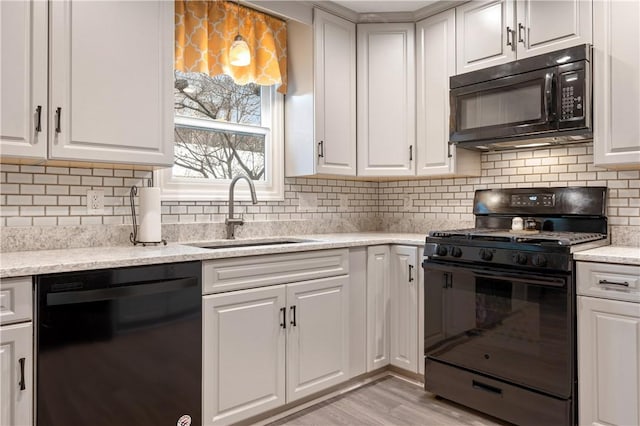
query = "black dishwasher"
x=120 y=346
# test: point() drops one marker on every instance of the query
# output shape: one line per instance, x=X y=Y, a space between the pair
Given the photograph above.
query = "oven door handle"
x=552 y=281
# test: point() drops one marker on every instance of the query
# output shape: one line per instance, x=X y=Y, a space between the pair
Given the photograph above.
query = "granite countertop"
x=610 y=254
x=14 y=264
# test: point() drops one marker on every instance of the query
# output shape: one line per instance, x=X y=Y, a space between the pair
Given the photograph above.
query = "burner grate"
x=503 y=235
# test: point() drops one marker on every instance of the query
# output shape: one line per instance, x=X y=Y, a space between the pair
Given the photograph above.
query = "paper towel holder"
x=133 y=237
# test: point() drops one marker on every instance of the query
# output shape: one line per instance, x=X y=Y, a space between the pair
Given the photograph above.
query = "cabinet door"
x=243 y=354
x=608 y=362
x=318 y=335
x=404 y=307
x=23 y=79
x=420 y=311
x=436 y=62
x=616 y=88
x=378 y=276
x=545 y=26
x=484 y=34
x=335 y=93
x=16 y=388
x=111 y=94
x=386 y=99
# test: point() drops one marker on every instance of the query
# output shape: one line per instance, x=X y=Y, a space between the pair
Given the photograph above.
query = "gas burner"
x=504 y=235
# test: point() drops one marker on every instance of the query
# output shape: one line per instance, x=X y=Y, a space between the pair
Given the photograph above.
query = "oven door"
x=508 y=107
x=513 y=326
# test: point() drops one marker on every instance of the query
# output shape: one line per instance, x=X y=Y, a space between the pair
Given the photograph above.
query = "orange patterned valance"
x=205 y=31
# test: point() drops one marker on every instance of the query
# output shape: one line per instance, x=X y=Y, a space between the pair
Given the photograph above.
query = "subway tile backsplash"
x=43 y=196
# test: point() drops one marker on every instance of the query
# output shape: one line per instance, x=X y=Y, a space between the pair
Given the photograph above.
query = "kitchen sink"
x=247 y=243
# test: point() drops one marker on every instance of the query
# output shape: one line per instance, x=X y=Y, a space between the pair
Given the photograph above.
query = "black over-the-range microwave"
x=542 y=100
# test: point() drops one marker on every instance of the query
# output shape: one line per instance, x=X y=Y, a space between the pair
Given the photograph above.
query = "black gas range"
x=500 y=302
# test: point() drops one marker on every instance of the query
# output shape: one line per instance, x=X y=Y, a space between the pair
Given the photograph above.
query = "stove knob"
x=441 y=251
x=456 y=252
x=486 y=254
x=520 y=258
x=539 y=260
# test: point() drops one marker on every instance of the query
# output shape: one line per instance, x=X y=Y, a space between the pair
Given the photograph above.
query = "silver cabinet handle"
x=510 y=33
x=39 y=118
x=607 y=282
x=21 y=383
x=58 y=118
x=520 y=28
x=321 y=149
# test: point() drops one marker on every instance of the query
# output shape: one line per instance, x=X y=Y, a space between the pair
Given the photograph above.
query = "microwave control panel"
x=572 y=95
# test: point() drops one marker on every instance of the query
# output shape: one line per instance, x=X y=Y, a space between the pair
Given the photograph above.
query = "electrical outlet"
x=95 y=202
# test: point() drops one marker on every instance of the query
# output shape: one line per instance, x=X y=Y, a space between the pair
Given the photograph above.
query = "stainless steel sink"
x=222 y=244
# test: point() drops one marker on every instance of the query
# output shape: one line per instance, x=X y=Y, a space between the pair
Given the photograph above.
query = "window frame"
x=272 y=188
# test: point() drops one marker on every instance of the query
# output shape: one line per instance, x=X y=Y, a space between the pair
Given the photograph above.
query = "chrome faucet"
x=231 y=221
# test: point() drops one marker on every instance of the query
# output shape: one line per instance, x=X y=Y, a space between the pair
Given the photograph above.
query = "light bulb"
x=239 y=54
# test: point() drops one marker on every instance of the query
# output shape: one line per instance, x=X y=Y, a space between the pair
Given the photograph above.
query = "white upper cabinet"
x=23 y=79
x=320 y=106
x=545 y=26
x=435 y=63
x=484 y=34
x=498 y=31
x=616 y=86
x=386 y=99
x=110 y=82
x=111 y=90
x=335 y=100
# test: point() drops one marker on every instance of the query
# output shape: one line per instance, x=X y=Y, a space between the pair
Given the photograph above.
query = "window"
x=223 y=129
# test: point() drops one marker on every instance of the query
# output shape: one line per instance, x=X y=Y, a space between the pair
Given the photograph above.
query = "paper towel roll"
x=150 y=229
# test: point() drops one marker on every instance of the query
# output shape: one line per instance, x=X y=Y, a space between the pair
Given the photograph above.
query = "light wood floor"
x=387 y=401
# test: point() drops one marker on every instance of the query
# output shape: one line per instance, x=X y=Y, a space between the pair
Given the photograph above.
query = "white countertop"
x=14 y=264
x=610 y=254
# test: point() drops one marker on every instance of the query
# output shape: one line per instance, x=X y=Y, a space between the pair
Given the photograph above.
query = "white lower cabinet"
x=394 y=308
x=404 y=307
x=16 y=352
x=244 y=353
x=378 y=280
x=608 y=344
x=16 y=361
x=317 y=336
x=268 y=346
x=608 y=362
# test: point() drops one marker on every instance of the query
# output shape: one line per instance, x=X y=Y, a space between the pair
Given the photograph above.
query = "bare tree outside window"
x=206 y=147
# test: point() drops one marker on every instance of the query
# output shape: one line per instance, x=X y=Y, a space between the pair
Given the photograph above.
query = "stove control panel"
x=533 y=200
x=498 y=256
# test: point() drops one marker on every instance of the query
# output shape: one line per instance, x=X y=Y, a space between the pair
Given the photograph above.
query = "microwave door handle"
x=548 y=96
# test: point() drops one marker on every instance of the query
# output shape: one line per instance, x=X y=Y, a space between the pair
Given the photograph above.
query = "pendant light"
x=239 y=54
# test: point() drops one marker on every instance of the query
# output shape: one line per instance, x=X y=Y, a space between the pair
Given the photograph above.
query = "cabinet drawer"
x=15 y=300
x=609 y=281
x=257 y=271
